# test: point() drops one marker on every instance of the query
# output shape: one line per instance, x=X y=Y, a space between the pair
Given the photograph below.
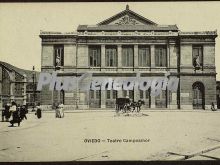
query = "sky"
x=20 y=23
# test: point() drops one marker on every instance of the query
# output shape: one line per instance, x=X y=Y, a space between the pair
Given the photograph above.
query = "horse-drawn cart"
x=125 y=105
x=122 y=104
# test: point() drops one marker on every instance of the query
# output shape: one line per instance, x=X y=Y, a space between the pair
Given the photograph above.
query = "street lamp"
x=33 y=77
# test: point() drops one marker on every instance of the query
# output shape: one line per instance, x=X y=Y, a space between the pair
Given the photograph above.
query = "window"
x=160 y=56
x=162 y=95
x=144 y=94
x=144 y=56
x=91 y=94
x=197 y=56
x=98 y=94
x=114 y=94
x=111 y=94
x=111 y=56
x=127 y=56
x=58 y=55
x=124 y=93
x=95 y=56
x=141 y=94
x=131 y=94
x=108 y=94
x=147 y=94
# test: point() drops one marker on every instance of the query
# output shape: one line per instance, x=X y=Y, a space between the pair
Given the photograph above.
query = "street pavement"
x=153 y=135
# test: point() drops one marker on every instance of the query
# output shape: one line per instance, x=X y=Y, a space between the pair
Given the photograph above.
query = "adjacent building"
x=123 y=45
x=17 y=85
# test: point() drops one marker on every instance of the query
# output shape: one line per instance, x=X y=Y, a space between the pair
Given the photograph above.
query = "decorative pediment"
x=127 y=17
x=126 y=20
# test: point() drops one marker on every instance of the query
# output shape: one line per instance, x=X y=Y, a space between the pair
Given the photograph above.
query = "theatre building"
x=122 y=46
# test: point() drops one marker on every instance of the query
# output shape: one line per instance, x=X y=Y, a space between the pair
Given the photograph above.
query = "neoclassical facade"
x=123 y=45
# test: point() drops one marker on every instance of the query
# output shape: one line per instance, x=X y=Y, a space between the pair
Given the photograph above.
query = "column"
x=152 y=99
x=119 y=55
x=135 y=56
x=172 y=100
x=103 y=99
x=136 y=95
x=58 y=93
x=168 y=55
x=102 y=55
x=152 y=52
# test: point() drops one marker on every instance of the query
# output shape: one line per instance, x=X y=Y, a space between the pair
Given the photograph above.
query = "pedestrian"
x=3 y=114
x=61 y=112
x=23 y=112
x=57 y=112
x=39 y=111
x=7 y=111
x=213 y=107
x=15 y=110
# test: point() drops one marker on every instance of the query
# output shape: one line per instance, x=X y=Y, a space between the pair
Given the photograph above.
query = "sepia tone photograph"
x=113 y=81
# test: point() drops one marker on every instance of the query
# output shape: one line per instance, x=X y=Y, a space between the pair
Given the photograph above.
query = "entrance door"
x=198 y=96
x=111 y=96
x=95 y=99
x=161 y=100
x=145 y=96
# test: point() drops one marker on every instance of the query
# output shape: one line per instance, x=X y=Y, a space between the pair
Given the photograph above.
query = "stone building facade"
x=123 y=45
x=17 y=85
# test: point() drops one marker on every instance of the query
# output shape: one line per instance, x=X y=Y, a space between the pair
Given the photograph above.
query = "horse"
x=122 y=104
x=137 y=105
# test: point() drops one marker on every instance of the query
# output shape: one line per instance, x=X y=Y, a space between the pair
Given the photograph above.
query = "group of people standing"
x=15 y=113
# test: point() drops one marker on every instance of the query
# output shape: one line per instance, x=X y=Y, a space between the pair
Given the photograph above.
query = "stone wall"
x=186 y=83
x=47 y=55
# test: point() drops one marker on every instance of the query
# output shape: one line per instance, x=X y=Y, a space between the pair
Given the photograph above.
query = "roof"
x=127 y=20
x=20 y=71
x=128 y=12
x=127 y=28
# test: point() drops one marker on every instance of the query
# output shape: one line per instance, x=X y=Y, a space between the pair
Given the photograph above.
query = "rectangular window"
x=111 y=94
x=91 y=94
x=59 y=55
x=98 y=94
x=144 y=56
x=127 y=56
x=197 y=56
x=95 y=56
x=114 y=94
x=160 y=56
x=108 y=93
x=111 y=56
x=124 y=93
x=131 y=94
x=141 y=94
x=147 y=94
x=162 y=95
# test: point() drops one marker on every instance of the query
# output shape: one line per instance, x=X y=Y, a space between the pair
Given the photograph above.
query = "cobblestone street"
x=156 y=135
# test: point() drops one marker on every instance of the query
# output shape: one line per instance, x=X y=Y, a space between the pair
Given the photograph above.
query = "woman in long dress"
x=38 y=113
x=15 y=114
x=61 y=112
